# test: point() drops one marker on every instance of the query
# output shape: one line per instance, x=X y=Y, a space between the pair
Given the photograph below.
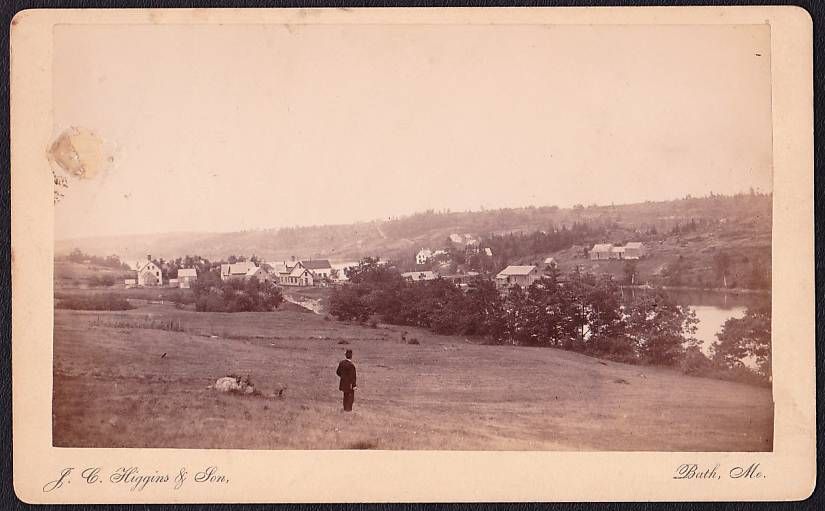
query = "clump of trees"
x=211 y=294
x=78 y=256
x=744 y=344
x=578 y=311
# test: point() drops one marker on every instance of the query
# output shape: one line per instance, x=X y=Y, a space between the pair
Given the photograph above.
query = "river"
x=712 y=308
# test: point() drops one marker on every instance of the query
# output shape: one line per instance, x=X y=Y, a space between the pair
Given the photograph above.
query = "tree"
x=746 y=339
x=721 y=264
x=661 y=330
x=345 y=304
x=630 y=272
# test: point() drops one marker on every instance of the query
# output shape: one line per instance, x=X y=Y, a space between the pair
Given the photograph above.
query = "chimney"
x=148 y=257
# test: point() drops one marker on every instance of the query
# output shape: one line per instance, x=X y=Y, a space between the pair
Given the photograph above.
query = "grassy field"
x=112 y=388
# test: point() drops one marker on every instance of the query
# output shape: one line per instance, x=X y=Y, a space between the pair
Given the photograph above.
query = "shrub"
x=413 y=340
x=250 y=295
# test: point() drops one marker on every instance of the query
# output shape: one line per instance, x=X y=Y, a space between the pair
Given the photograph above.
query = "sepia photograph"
x=412 y=237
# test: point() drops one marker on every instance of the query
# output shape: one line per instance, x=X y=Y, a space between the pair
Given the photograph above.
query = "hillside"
x=443 y=393
x=402 y=237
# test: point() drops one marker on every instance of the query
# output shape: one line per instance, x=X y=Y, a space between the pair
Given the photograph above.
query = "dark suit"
x=346 y=371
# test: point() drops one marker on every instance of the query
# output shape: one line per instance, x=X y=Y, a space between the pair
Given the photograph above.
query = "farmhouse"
x=416 y=276
x=339 y=271
x=634 y=250
x=601 y=251
x=236 y=270
x=258 y=272
x=148 y=273
x=617 y=253
x=298 y=276
x=551 y=262
x=320 y=268
x=423 y=255
x=522 y=276
x=186 y=276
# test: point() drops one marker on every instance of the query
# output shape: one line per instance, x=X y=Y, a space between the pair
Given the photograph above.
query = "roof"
x=187 y=272
x=634 y=244
x=617 y=249
x=316 y=264
x=550 y=260
x=237 y=268
x=420 y=275
x=147 y=264
x=602 y=247
x=254 y=270
x=516 y=270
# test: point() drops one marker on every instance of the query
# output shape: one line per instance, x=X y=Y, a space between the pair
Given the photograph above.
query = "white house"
x=488 y=252
x=617 y=253
x=258 y=272
x=601 y=251
x=236 y=270
x=417 y=276
x=551 y=262
x=298 y=276
x=148 y=273
x=186 y=276
x=511 y=276
x=423 y=255
x=339 y=273
x=320 y=268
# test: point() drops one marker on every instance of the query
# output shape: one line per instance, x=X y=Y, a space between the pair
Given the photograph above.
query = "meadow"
x=140 y=378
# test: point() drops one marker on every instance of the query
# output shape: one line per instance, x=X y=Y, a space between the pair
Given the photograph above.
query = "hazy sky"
x=223 y=128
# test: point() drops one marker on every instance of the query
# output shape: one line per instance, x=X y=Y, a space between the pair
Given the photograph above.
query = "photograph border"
x=406 y=481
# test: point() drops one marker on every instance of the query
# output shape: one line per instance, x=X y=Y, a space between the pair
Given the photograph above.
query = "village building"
x=298 y=276
x=522 y=276
x=149 y=274
x=617 y=253
x=488 y=252
x=320 y=268
x=416 y=276
x=634 y=250
x=551 y=262
x=237 y=270
x=423 y=255
x=186 y=276
x=601 y=251
x=339 y=271
x=129 y=283
x=258 y=272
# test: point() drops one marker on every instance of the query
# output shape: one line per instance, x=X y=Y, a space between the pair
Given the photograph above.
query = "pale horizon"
x=238 y=128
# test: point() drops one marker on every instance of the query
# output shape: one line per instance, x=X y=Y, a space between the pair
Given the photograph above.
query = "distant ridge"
x=404 y=235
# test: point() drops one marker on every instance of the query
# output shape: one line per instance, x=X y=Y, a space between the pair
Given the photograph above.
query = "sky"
x=237 y=127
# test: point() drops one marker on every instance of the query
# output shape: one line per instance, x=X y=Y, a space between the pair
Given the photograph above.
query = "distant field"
x=113 y=389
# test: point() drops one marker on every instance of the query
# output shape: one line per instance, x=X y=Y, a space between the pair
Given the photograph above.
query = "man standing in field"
x=346 y=371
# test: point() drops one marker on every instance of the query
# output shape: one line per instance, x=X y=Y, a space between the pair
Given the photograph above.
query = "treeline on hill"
x=576 y=311
x=78 y=256
x=211 y=294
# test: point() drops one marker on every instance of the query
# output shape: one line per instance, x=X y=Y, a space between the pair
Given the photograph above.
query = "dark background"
x=8 y=499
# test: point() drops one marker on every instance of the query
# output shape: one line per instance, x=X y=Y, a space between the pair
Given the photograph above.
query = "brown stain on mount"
x=79 y=152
